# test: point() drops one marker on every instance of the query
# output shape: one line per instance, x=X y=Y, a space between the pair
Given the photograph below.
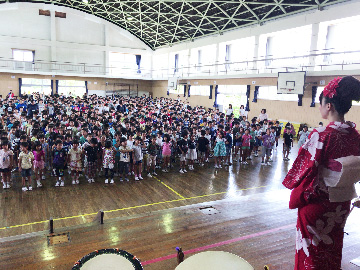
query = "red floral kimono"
x=322 y=190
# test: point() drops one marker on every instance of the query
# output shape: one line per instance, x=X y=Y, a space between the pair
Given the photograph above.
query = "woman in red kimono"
x=322 y=183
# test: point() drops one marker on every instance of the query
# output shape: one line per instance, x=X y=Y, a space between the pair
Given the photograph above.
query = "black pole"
x=51 y=225
x=101 y=217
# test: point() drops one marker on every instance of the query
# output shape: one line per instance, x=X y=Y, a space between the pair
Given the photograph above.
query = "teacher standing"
x=321 y=190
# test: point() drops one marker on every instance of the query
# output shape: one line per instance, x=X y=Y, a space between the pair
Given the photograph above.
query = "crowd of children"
x=122 y=136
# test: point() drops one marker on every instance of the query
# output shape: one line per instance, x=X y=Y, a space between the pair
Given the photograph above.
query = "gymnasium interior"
x=276 y=55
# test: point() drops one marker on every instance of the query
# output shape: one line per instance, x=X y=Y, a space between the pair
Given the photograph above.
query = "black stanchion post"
x=101 y=217
x=51 y=225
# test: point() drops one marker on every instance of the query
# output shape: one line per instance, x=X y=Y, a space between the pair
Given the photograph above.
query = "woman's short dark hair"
x=347 y=91
x=263 y=110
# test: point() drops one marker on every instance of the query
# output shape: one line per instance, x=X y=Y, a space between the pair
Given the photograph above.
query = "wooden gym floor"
x=151 y=217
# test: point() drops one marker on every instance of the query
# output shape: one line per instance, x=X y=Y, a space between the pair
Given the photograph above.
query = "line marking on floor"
x=177 y=193
x=127 y=208
x=230 y=241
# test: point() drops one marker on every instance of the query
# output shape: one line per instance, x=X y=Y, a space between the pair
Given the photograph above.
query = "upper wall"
x=78 y=38
x=333 y=12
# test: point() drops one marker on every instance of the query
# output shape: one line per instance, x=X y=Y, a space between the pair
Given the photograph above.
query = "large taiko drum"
x=108 y=259
x=214 y=260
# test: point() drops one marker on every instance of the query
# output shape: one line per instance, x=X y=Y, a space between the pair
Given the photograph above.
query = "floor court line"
x=203 y=248
x=177 y=193
x=126 y=208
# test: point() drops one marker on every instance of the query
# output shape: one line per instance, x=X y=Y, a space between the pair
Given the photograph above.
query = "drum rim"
x=131 y=258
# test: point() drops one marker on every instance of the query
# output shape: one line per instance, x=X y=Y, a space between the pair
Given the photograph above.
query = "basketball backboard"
x=291 y=82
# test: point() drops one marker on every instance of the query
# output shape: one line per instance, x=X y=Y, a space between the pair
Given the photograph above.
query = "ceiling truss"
x=162 y=23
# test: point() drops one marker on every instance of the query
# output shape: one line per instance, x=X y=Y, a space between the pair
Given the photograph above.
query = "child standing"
x=191 y=154
x=246 y=146
x=203 y=147
x=39 y=162
x=59 y=161
x=124 y=159
x=108 y=161
x=228 y=145
x=138 y=157
x=25 y=163
x=91 y=153
x=183 y=149
x=267 y=145
x=75 y=161
x=6 y=163
x=219 y=150
x=288 y=143
x=166 y=152
x=304 y=134
x=151 y=161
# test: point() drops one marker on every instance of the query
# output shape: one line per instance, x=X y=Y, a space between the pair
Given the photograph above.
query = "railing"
x=322 y=60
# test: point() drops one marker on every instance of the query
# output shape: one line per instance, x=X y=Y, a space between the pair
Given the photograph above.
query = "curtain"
x=185 y=90
x=176 y=63
x=247 y=98
x=211 y=91
x=57 y=87
x=20 y=84
x=189 y=90
x=256 y=92
x=216 y=94
x=138 y=61
x=300 y=97
x=52 y=87
x=168 y=92
x=86 y=87
x=313 y=95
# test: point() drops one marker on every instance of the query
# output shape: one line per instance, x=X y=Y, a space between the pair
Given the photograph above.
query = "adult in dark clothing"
x=32 y=107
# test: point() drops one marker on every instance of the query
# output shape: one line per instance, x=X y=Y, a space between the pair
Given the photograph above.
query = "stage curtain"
x=313 y=95
x=138 y=61
x=20 y=85
x=256 y=92
x=216 y=94
x=247 y=98
x=189 y=90
x=185 y=90
x=211 y=91
x=300 y=97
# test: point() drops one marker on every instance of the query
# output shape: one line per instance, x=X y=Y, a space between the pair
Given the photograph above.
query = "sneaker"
x=262 y=163
x=57 y=183
x=112 y=181
x=89 y=180
x=149 y=175
x=121 y=180
x=207 y=160
x=43 y=177
x=256 y=155
x=132 y=173
x=249 y=158
x=184 y=170
x=77 y=182
x=220 y=166
x=8 y=185
x=136 y=178
x=163 y=170
x=73 y=182
x=140 y=177
x=154 y=173
x=39 y=184
x=106 y=181
x=4 y=185
x=92 y=180
x=30 y=188
x=269 y=164
x=181 y=171
x=216 y=167
x=127 y=179
x=62 y=184
x=129 y=173
x=24 y=189
x=287 y=159
x=246 y=163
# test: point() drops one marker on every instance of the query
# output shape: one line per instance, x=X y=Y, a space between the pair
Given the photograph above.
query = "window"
x=200 y=90
x=199 y=60
x=30 y=86
x=270 y=93
x=23 y=55
x=71 y=88
x=122 y=63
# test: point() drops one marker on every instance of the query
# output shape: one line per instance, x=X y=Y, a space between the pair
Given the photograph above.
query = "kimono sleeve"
x=302 y=178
